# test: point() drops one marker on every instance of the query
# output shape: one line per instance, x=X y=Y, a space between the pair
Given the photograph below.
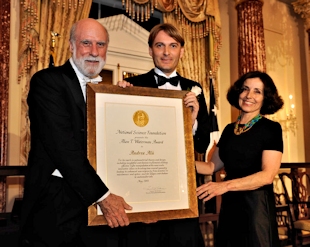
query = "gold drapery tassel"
x=69 y=3
x=140 y=12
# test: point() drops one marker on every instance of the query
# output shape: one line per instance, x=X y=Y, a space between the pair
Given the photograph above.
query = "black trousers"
x=56 y=218
x=59 y=219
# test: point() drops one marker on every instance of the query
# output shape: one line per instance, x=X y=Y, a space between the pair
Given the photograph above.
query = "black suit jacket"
x=57 y=113
x=202 y=136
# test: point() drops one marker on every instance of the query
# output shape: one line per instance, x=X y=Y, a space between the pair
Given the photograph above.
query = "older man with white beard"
x=61 y=183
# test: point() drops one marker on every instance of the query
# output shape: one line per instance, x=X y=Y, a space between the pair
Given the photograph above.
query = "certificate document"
x=141 y=149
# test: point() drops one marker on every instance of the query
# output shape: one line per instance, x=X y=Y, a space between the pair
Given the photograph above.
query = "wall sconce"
x=290 y=123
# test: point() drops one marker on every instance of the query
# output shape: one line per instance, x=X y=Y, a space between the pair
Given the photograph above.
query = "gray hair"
x=73 y=32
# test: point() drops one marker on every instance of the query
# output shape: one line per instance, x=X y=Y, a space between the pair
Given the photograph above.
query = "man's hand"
x=124 y=84
x=113 y=208
x=190 y=100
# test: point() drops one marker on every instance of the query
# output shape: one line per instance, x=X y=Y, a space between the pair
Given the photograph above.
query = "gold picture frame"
x=156 y=195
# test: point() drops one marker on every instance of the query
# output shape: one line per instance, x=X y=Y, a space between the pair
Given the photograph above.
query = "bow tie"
x=161 y=80
x=93 y=80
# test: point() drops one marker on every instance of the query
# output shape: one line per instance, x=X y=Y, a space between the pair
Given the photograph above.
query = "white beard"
x=86 y=69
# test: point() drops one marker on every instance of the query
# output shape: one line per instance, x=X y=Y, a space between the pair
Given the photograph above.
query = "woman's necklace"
x=239 y=130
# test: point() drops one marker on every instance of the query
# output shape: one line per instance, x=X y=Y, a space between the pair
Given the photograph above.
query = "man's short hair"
x=169 y=29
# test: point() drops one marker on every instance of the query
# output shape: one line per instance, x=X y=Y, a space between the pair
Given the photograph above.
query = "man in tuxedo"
x=61 y=183
x=166 y=47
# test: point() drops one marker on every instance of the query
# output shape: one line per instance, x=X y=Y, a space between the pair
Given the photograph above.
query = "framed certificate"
x=141 y=145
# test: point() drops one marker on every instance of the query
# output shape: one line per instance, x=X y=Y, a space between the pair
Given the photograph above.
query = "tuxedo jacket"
x=57 y=113
x=202 y=135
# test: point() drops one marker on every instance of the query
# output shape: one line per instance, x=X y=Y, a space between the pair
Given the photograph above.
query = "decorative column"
x=302 y=7
x=251 y=41
x=4 y=92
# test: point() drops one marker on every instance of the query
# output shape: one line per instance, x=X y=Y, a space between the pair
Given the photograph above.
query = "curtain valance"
x=195 y=13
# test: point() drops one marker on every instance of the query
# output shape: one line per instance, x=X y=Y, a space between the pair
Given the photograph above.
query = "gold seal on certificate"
x=140 y=118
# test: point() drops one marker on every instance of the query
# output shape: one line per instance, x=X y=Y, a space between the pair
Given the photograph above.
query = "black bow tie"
x=161 y=80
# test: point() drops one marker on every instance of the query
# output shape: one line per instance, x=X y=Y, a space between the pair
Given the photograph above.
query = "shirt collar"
x=159 y=72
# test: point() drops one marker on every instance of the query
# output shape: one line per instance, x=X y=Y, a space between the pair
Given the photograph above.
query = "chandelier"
x=289 y=123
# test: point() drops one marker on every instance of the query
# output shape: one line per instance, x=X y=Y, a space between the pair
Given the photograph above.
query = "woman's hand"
x=211 y=189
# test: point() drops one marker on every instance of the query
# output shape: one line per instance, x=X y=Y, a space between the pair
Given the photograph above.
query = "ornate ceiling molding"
x=302 y=7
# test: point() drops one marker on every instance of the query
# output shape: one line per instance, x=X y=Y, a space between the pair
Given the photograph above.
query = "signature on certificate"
x=155 y=190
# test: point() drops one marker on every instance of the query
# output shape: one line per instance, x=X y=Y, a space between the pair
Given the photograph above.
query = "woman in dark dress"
x=250 y=150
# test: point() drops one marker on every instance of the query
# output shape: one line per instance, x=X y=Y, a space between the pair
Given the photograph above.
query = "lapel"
x=185 y=84
x=73 y=83
x=150 y=79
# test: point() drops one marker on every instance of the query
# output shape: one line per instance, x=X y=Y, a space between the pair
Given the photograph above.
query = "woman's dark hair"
x=169 y=29
x=272 y=101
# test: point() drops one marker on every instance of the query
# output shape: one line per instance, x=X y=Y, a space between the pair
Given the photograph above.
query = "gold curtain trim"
x=195 y=11
x=166 y=5
x=140 y=10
